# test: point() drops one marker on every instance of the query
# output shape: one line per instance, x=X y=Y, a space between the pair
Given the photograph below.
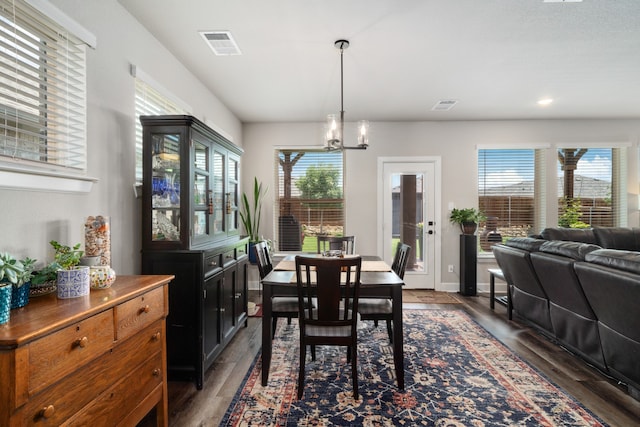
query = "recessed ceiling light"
x=545 y=101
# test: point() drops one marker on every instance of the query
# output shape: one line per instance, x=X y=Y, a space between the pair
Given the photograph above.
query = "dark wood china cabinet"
x=190 y=226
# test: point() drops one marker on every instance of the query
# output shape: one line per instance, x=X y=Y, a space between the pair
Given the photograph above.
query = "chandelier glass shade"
x=335 y=123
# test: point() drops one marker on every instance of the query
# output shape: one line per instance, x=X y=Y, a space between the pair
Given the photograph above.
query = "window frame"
x=25 y=171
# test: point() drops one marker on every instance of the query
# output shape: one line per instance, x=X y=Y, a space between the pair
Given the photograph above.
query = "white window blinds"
x=309 y=200
x=151 y=101
x=42 y=90
x=511 y=193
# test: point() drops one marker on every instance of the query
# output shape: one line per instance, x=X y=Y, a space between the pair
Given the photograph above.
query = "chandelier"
x=335 y=125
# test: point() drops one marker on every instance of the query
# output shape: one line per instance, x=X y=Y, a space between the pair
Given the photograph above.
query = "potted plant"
x=10 y=271
x=44 y=280
x=467 y=218
x=250 y=214
x=72 y=279
x=20 y=292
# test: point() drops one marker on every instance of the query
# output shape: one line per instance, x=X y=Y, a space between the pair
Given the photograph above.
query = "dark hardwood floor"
x=603 y=396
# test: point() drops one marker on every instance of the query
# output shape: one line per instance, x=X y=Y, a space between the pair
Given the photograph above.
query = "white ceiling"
x=496 y=57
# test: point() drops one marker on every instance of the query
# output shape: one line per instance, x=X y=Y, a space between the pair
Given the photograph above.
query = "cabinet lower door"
x=227 y=303
x=211 y=319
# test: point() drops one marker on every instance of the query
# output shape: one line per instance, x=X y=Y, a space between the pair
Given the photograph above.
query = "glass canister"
x=97 y=238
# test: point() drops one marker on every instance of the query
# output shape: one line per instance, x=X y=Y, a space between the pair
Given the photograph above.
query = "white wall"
x=30 y=219
x=454 y=142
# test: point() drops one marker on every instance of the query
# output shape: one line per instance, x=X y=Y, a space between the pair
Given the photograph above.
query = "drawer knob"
x=145 y=309
x=47 y=411
x=156 y=372
x=81 y=342
x=156 y=336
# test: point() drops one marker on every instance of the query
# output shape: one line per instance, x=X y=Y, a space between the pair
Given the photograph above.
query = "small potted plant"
x=250 y=214
x=73 y=279
x=20 y=293
x=10 y=271
x=467 y=218
x=44 y=280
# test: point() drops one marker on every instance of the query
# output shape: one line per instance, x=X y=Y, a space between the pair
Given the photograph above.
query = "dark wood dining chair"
x=335 y=284
x=282 y=307
x=347 y=244
x=382 y=308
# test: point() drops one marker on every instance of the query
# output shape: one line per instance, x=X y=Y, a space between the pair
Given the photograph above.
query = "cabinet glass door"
x=202 y=198
x=165 y=191
x=233 y=194
x=219 y=208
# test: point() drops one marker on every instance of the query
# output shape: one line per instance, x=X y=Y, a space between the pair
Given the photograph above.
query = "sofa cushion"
x=525 y=243
x=584 y=235
x=573 y=250
x=618 y=238
x=616 y=258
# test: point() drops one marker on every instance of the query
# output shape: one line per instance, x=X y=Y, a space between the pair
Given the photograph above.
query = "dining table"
x=377 y=280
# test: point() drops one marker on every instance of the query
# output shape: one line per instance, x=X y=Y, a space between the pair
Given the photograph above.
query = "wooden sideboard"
x=96 y=360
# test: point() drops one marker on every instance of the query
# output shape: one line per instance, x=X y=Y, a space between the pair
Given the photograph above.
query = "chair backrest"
x=400 y=259
x=334 y=283
x=347 y=244
x=264 y=258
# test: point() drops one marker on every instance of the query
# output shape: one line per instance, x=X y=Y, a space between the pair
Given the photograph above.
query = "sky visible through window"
x=596 y=163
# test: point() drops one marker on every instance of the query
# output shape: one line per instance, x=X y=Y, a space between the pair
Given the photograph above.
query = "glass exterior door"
x=408 y=217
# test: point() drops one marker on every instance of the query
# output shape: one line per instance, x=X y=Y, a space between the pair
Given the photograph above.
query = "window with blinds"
x=309 y=200
x=510 y=193
x=589 y=187
x=150 y=101
x=42 y=90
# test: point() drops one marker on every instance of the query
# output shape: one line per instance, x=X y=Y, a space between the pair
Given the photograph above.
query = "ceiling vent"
x=444 y=105
x=221 y=42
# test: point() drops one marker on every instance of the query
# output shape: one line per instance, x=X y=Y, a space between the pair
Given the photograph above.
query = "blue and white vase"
x=73 y=283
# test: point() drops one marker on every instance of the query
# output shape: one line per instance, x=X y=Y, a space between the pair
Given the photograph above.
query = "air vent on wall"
x=444 y=105
x=221 y=42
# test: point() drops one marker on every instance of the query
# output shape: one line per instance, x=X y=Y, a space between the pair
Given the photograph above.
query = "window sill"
x=18 y=178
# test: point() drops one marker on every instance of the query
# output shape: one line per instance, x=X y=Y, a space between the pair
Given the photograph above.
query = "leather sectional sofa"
x=581 y=288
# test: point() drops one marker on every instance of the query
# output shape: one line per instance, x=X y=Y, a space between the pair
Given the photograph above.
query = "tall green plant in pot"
x=250 y=215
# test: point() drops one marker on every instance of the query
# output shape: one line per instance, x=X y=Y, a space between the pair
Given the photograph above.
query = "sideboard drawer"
x=57 y=355
x=136 y=314
x=142 y=382
x=54 y=405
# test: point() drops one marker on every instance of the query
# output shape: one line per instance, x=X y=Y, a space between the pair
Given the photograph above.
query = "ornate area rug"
x=456 y=374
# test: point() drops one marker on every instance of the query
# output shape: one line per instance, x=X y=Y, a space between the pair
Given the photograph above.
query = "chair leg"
x=274 y=323
x=354 y=371
x=313 y=353
x=288 y=320
x=303 y=356
x=389 y=331
x=375 y=322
